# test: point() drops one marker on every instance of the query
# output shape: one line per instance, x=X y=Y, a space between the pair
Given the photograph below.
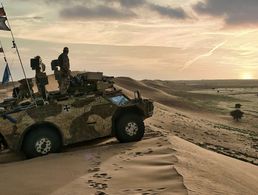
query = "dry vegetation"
x=198 y=111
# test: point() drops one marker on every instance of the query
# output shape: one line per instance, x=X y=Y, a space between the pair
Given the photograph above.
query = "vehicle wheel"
x=130 y=128
x=41 y=142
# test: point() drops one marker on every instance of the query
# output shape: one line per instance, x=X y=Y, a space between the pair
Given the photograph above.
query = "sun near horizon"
x=247 y=76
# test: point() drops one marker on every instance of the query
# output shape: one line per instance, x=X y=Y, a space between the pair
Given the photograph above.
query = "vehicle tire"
x=130 y=128
x=40 y=142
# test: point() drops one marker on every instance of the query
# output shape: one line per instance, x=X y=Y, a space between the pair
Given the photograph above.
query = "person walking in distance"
x=65 y=72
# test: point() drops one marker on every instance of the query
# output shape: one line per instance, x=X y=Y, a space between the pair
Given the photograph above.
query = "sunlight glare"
x=247 y=76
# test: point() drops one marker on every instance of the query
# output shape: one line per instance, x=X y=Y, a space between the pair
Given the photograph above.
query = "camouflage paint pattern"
x=78 y=119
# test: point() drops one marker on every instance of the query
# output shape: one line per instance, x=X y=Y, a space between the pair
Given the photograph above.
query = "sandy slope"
x=147 y=167
x=160 y=164
x=209 y=129
x=135 y=168
x=206 y=172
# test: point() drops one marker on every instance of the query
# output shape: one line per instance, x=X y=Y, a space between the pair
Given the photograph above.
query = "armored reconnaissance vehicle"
x=91 y=109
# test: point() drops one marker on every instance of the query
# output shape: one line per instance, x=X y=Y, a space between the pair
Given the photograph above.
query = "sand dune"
x=206 y=172
x=113 y=168
x=162 y=163
x=153 y=93
x=199 y=119
x=146 y=167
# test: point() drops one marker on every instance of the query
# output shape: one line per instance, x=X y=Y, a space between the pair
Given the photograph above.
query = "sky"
x=142 y=39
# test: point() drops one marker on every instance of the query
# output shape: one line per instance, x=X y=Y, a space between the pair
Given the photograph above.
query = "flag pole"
x=5 y=59
x=18 y=53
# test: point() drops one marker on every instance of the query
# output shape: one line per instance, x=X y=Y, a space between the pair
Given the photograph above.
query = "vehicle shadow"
x=8 y=156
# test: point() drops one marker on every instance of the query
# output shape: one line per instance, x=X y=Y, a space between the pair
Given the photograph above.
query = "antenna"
x=7 y=64
x=18 y=53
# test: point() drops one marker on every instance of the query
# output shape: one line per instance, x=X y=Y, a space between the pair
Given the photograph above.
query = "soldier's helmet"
x=39 y=58
x=66 y=50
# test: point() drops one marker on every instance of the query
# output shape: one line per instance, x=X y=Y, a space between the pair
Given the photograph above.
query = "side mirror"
x=137 y=95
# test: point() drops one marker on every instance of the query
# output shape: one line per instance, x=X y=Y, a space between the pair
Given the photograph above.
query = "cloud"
x=123 y=3
x=22 y=18
x=118 y=9
x=107 y=9
x=234 y=12
x=68 y=2
x=132 y=3
x=98 y=12
x=177 y=13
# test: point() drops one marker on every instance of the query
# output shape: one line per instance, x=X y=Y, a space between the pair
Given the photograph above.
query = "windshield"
x=119 y=100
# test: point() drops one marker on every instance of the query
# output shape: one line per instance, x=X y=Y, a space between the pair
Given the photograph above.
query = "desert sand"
x=191 y=146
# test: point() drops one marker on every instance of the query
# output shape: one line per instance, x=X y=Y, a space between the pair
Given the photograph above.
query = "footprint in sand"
x=100 y=193
x=138 y=154
x=143 y=191
x=159 y=144
x=161 y=189
x=104 y=176
x=134 y=154
x=97 y=185
x=117 y=167
x=97 y=163
x=149 y=151
x=94 y=169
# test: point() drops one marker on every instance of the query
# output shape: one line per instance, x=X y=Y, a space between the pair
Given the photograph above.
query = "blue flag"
x=7 y=74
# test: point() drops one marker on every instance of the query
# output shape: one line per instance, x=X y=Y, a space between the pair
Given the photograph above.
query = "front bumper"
x=148 y=108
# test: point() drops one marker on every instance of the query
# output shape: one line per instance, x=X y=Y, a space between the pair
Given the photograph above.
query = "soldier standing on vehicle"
x=65 y=72
x=41 y=77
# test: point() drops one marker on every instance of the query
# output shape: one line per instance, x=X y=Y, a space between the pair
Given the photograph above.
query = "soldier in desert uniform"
x=41 y=77
x=57 y=74
x=65 y=72
x=24 y=91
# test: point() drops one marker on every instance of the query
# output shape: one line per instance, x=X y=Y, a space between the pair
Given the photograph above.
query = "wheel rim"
x=43 y=146
x=131 y=128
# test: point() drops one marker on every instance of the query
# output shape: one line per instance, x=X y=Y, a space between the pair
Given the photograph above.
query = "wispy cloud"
x=209 y=53
x=23 y=18
x=216 y=47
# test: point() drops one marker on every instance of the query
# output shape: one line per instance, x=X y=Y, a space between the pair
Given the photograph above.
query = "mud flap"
x=3 y=143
